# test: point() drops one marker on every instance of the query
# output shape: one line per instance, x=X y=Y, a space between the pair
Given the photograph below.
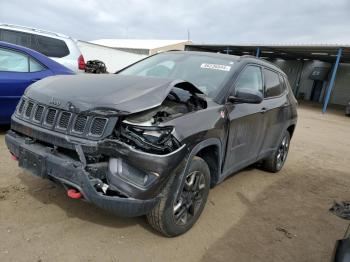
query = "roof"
x=138 y=43
x=323 y=52
x=31 y=30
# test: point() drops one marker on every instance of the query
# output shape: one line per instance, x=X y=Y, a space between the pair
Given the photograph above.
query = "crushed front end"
x=119 y=162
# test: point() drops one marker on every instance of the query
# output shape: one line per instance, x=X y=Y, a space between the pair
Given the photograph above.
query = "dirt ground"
x=252 y=216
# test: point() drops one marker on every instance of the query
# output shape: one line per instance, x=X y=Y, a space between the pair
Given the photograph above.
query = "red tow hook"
x=13 y=157
x=72 y=193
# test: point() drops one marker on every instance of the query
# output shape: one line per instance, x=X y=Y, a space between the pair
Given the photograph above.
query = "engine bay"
x=144 y=131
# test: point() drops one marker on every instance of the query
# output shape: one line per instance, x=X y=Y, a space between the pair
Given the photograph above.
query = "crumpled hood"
x=125 y=94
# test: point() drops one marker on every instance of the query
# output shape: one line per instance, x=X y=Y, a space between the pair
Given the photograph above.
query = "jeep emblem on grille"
x=54 y=101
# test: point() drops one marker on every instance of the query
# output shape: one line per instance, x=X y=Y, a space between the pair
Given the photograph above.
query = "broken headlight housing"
x=150 y=139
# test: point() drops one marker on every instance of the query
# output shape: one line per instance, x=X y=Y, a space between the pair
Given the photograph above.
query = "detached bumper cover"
x=41 y=161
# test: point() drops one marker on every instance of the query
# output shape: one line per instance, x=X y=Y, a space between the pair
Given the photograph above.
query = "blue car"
x=19 y=68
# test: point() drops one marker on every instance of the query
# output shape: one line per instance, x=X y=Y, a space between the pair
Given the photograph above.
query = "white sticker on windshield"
x=216 y=67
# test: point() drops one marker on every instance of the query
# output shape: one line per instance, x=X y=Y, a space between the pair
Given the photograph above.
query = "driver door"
x=246 y=127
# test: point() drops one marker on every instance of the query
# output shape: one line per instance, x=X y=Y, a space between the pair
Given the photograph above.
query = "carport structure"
x=332 y=54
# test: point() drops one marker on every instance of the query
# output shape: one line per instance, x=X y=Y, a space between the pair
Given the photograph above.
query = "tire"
x=194 y=184
x=275 y=162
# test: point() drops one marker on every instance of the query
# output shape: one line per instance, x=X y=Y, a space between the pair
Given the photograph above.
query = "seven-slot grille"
x=63 y=122
x=29 y=109
x=98 y=126
x=21 y=106
x=38 y=113
x=49 y=117
x=79 y=124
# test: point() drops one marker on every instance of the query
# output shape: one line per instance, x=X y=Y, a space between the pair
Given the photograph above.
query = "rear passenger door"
x=17 y=72
x=275 y=105
x=246 y=130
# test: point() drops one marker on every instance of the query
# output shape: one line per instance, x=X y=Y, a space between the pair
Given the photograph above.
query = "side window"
x=35 y=66
x=283 y=83
x=50 y=46
x=14 y=37
x=250 y=78
x=272 y=84
x=12 y=61
x=288 y=87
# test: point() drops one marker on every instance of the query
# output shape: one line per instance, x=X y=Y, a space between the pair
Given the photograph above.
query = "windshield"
x=207 y=73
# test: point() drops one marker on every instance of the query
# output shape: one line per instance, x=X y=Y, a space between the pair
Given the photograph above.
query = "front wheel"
x=275 y=162
x=183 y=200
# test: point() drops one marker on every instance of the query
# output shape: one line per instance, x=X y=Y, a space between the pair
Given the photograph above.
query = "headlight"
x=153 y=139
x=153 y=134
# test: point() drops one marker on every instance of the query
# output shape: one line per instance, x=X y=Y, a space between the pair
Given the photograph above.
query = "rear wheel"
x=276 y=161
x=183 y=200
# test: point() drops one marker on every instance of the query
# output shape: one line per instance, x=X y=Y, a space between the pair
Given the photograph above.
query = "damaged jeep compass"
x=154 y=137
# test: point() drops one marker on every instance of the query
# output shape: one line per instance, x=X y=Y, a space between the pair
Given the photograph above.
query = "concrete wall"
x=114 y=59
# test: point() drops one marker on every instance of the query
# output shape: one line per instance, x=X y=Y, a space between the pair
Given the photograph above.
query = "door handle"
x=263 y=110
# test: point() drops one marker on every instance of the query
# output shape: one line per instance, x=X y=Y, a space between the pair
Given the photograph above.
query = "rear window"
x=50 y=46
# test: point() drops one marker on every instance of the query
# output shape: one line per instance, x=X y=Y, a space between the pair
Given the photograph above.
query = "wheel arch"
x=210 y=151
x=291 y=129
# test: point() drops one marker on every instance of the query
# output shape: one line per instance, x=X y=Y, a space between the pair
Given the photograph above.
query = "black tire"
x=166 y=216
x=275 y=162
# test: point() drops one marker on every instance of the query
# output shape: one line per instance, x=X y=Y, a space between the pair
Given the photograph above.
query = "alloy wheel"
x=190 y=198
x=282 y=151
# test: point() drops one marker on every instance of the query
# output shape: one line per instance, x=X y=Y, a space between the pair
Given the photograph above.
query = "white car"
x=61 y=48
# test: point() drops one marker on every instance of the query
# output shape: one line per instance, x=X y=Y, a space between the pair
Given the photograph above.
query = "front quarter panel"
x=195 y=127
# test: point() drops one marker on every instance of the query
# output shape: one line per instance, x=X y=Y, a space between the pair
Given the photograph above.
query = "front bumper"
x=160 y=166
x=43 y=161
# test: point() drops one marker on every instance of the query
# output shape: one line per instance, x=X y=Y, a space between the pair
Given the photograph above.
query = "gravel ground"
x=252 y=216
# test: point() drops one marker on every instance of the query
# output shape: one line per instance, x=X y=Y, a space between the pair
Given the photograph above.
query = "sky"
x=208 y=21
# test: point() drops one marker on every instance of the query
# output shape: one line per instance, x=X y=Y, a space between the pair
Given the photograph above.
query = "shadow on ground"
x=50 y=193
x=290 y=216
x=4 y=129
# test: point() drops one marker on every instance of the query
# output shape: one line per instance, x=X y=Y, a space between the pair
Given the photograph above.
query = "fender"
x=193 y=153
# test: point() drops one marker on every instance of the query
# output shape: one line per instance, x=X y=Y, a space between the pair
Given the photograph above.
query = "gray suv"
x=153 y=138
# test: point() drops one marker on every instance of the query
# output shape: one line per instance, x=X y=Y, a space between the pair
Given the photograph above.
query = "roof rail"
x=249 y=56
x=266 y=61
x=34 y=30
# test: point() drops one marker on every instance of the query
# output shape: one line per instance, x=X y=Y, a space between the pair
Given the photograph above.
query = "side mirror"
x=246 y=96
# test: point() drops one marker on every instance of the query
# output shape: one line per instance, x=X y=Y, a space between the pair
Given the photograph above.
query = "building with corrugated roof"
x=316 y=72
x=143 y=46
